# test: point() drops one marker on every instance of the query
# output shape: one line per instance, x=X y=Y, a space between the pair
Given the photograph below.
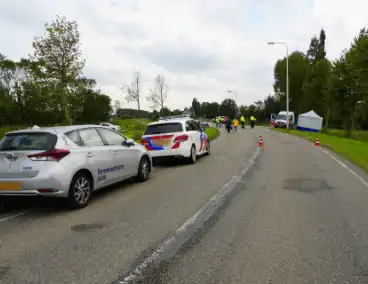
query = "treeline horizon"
x=49 y=88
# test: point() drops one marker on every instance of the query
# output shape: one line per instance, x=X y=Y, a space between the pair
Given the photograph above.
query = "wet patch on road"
x=307 y=185
x=88 y=227
x=318 y=168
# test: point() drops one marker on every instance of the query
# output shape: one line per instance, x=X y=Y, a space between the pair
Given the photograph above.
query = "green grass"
x=357 y=135
x=132 y=128
x=212 y=133
x=353 y=150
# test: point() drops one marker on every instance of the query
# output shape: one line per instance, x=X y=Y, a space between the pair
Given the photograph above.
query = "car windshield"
x=28 y=142
x=163 y=128
x=283 y=117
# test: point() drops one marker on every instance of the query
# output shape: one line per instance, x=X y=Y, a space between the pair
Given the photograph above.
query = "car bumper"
x=38 y=186
x=170 y=153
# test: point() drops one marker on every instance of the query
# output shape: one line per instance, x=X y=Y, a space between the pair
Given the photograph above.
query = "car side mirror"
x=128 y=143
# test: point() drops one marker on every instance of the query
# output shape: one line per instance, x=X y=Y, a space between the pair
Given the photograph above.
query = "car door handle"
x=116 y=152
x=89 y=154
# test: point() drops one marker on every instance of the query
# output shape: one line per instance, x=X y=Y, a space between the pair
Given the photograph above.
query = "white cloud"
x=203 y=48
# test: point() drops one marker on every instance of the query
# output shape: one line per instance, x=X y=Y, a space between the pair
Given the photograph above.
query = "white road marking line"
x=13 y=216
x=346 y=167
x=220 y=158
x=159 y=252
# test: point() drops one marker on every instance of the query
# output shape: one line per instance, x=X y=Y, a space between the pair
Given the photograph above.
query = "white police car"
x=176 y=136
x=68 y=161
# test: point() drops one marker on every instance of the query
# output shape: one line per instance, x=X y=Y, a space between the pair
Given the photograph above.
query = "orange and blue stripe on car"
x=156 y=143
x=204 y=141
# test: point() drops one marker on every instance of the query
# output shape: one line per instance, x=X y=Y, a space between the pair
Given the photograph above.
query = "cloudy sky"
x=202 y=47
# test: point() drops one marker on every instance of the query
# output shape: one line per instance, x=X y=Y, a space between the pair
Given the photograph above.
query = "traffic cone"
x=260 y=141
x=316 y=143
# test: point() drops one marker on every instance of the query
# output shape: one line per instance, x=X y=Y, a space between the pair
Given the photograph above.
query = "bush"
x=212 y=133
x=137 y=135
x=6 y=129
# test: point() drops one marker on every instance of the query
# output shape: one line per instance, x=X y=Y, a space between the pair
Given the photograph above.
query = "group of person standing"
x=233 y=124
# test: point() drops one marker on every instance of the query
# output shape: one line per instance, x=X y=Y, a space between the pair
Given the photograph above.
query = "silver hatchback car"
x=69 y=162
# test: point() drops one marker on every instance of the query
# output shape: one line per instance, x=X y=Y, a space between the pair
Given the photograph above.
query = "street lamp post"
x=287 y=78
x=235 y=95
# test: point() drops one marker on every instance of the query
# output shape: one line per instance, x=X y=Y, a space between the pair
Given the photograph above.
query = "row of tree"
x=336 y=90
x=48 y=87
x=228 y=107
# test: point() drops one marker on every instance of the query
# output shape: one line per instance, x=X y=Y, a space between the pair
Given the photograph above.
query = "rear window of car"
x=28 y=141
x=163 y=128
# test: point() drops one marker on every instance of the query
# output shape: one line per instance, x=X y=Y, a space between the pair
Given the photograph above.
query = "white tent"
x=309 y=121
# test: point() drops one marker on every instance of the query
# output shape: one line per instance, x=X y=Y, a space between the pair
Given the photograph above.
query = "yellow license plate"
x=10 y=186
x=165 y=142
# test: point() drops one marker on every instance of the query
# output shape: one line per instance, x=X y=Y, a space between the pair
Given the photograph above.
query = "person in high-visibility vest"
x=253 y=121
x=217 y=121
x=236 y=124
x=242 y=121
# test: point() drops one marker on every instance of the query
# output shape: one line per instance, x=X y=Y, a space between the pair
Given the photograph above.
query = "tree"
x=58 y=52
x=132 y=91
x=321 y=52
x=298 y=67
x=259 y=104
x=317 y=50
x=165 y=111
x=116 y=106
x=272 y=105
x=315 y=87
x=158 y=95
x=196 y=107
x=353 y=79
x=228 y=107
x=210 y=110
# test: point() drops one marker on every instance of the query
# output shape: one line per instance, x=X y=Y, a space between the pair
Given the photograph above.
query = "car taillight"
x=49 y=155
x=181 y=138
x=144 y=142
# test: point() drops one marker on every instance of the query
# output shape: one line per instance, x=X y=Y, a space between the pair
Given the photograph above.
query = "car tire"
x=208 y=148
x=80 y=191
x=144 y=170
x=193 y=155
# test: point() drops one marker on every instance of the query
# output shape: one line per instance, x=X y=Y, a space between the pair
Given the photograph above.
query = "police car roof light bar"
x=173 y=117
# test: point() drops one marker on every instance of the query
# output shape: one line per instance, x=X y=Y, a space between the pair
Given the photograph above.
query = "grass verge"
x=212 y=133
x=353 y=150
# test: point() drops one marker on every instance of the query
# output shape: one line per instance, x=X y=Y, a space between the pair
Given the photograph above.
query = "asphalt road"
x=298 y=217
x=43 y=243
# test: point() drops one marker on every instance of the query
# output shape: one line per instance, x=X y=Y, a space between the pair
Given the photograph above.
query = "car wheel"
x=80 y=191
x=144 y=170
x=208 y=148
x=193 y=155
